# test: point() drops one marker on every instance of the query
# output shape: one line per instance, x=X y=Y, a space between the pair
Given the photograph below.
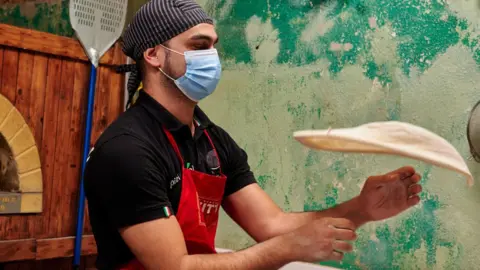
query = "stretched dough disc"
x=393 y=138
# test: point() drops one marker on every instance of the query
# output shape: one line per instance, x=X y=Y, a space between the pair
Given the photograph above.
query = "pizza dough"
x=393 y=138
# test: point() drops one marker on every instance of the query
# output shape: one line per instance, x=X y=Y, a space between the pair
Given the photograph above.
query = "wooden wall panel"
x=60 y=194
x=22 y=103
x=77 y=124
x=19 y=249
x=115 y=92
x=37 y=96
x=1 y=65
x=9 y=74
x=50 y=88
x=63 y=247
x=48 y=146
x=101 y=103
x=87 y=263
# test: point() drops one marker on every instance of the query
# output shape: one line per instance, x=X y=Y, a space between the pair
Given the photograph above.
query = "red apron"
x=198 y=209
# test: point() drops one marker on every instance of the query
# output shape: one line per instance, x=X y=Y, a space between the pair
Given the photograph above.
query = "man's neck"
x=175 y=103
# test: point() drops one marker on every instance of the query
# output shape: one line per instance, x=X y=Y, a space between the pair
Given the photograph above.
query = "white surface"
x=291 y=266
x=393 y=138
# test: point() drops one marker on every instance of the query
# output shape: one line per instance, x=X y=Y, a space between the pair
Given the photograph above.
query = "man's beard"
x=167 y=68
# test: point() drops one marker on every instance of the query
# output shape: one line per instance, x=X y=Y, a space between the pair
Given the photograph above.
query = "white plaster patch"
x=347 y=46
x=335 y=46
x=226 y=8
x=372 y=22
x=468 y=9
x=417 y=259
x=218 y=8
x=384 y=46
x=444 y=17
x=262 y=39
x=338 y=185
x=318 y=25
x=345 y=15
x=338 y=47
x=374 y=238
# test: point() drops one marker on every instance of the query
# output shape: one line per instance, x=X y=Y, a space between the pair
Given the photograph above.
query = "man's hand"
x=387 y=195
x=322 y=240
x=159 y=244
x=382 y=197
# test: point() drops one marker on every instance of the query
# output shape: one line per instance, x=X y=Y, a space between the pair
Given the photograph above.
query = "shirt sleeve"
x=236 y=167
x=129 y=185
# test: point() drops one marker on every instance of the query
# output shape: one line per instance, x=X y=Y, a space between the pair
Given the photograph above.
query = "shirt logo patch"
x=212 y=162
x=174 y=181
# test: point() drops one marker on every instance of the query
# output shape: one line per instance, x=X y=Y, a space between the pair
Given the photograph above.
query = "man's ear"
x=152 y=56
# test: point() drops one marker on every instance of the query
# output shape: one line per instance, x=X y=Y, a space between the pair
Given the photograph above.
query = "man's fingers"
x=345 y=235
x=413 y=201
x=403 y=172
x=342 y=246
x=399 y=174
x=343 y=223
x=336 y=256
x=412 y=180
x=414 y=189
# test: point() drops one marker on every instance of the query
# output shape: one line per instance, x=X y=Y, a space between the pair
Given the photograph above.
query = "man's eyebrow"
x=204 y=37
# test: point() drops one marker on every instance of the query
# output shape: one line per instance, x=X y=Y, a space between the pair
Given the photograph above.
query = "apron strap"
x=174 y=145
x=177 y=150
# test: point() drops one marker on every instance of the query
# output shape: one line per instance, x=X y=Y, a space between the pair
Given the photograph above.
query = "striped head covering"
x=155 y=23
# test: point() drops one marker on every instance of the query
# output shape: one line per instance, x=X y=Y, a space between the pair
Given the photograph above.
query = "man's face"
x=199 y=37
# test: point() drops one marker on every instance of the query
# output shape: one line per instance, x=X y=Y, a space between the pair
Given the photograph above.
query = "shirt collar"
x=165 y=118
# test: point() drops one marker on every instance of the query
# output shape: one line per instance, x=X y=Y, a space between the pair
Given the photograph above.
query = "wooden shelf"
x=42 y=249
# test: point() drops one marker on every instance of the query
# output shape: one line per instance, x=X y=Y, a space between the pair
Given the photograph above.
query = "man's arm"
x=382 y=196
x=159 y=244
x=156 y=249
x=266 y=220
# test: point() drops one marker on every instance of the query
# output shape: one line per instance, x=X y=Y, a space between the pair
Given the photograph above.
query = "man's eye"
x=202 y=46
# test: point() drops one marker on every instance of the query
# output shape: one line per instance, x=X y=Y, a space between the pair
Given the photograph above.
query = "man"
x=158 y=175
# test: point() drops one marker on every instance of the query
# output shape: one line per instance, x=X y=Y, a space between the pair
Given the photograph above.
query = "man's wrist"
x=355 y=212
x=293 y=248
x=274 y=253
x=352 y=210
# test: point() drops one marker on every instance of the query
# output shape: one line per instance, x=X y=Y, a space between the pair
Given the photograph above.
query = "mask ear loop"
x=166 y=75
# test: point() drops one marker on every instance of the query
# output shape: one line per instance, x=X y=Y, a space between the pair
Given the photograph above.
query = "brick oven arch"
x=19 y=162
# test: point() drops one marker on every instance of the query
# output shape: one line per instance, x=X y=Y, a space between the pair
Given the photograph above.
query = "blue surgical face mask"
x=202 y=74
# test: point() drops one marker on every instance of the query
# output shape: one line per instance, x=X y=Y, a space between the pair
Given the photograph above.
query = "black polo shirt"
x=133 y=172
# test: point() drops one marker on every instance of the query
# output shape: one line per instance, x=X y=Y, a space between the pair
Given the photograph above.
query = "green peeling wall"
x=298 y=64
